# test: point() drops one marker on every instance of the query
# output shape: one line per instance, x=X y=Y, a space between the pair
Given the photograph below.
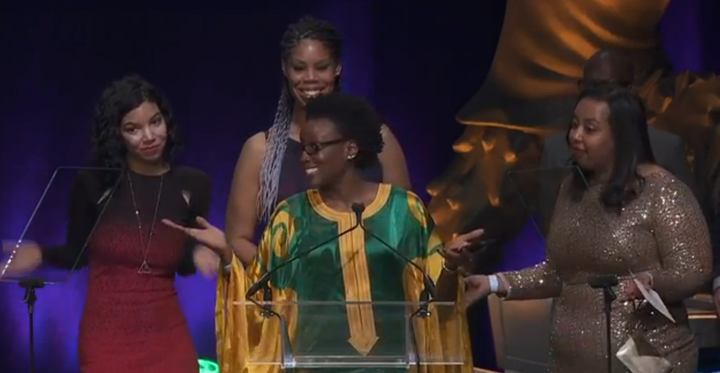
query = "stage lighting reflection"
x=208 y=366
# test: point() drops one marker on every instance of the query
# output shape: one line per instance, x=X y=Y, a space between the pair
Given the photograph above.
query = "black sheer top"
x=185 y=195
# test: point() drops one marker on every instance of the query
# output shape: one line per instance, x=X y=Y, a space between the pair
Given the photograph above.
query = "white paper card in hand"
x=629 y=356
x=654 y=299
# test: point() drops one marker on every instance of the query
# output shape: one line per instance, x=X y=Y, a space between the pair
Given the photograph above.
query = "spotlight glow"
x=208 y=366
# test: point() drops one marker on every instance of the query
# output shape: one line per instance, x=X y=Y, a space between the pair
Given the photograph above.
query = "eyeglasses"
x=316 y=147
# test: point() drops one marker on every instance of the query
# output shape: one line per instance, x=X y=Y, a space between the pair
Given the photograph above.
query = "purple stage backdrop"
x=221 y=72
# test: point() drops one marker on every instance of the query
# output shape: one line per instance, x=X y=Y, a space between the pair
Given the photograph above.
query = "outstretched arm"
x=533 y=284
x=538 y=282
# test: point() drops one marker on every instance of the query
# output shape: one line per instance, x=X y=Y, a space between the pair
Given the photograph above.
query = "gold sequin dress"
x=662 y=232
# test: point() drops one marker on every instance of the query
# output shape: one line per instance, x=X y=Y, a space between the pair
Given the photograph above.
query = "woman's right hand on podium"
x=27 y=257
x=477 y=287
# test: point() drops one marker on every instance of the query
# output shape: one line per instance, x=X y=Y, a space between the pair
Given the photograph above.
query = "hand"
x=630 y=291
x=209 y=235
x=476 y=287
x=28 y=256
x=206 y=261
x=716 y=298
x=456 y=254
x=466 y=239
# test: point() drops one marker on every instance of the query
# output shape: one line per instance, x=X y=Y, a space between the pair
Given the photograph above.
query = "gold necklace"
x=144 y=267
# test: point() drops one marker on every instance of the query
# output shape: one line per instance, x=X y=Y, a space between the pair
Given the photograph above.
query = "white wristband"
x=227 y=268
x=494 y=283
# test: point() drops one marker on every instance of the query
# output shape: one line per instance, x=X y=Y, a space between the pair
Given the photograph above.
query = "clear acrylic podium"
x=335 y=336
x=49 y=221
x=47 y=227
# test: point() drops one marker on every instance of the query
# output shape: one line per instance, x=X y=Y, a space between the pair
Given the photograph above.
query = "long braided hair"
x=279 y=133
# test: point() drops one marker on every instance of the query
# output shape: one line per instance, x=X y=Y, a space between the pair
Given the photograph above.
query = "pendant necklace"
x=144 y=267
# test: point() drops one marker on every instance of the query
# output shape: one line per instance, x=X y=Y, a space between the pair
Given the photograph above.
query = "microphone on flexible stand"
x=262 y=282
x=267 y=298
x=266 y=310
x=427 y=294
x=606 y=282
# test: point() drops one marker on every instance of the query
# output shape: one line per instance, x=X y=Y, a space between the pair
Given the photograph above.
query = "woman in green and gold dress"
x=342 y=136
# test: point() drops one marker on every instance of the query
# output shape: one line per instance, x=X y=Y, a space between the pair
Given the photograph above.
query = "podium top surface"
x=341 y=303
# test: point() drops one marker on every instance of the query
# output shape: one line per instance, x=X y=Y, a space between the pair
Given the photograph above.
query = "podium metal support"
x=30 y=284
x=606 y=283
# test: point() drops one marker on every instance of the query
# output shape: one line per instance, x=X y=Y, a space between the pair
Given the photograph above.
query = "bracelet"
x=448 y=269
x=227 y=269
x=494 y=283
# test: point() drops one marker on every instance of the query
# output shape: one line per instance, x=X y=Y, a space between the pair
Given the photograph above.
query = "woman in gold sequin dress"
x=635 y=217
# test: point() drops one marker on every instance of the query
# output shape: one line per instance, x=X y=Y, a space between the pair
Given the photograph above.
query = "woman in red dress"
x=132 y=321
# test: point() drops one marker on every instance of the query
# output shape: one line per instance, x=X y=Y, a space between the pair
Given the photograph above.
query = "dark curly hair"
x=118 y=99
x=629 y=128
x=307 y=28
x=355 y=119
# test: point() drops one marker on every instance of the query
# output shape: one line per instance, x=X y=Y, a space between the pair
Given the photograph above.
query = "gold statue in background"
x=530 y=91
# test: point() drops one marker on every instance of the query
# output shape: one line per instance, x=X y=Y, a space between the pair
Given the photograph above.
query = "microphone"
x=261 y=283
x=603 y=281
x=597 y=282
x=428 y=291
x=606 y=282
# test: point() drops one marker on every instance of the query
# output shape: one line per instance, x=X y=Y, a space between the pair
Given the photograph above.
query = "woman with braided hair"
x=269 y=169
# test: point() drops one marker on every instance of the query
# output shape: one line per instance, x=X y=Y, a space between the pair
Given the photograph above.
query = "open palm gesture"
x=207 y=234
